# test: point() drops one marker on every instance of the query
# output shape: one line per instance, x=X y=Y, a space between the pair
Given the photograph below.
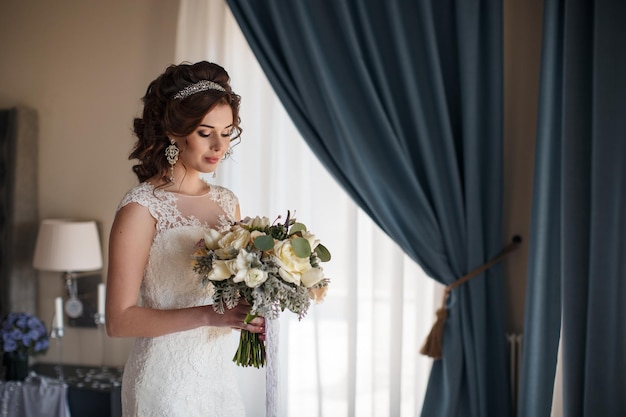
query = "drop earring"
x=171 y=153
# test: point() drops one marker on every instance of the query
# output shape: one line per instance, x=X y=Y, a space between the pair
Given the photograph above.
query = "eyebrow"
x=213 y=127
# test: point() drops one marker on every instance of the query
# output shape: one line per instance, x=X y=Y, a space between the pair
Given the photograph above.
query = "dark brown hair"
x=162 y=114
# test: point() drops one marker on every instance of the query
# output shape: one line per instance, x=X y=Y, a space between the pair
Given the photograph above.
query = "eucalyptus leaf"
x=297 y=227
x=322 y=253
x=264 y=242
x=301 y=247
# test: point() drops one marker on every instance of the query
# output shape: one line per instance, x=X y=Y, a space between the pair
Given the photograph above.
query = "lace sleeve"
x=226 y=199
x=138 y=195
x=161 y=205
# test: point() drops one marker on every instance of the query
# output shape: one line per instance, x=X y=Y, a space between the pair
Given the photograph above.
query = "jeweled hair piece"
x=198 y=87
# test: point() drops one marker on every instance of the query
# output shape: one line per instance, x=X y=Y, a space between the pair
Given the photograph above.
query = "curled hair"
x=163 y=115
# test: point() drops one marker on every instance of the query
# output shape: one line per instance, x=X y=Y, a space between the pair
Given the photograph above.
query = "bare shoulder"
x=134 y=218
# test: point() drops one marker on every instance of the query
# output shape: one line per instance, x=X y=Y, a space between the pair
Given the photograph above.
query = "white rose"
x=313 y=241
x=220 y=271
x=293 y=277
x=291 y=265
x=260 y=222
x=312 y=277
x=255 y=233
x=240 y=265
x=255 y=277
x=237 y=239
x=211 y=239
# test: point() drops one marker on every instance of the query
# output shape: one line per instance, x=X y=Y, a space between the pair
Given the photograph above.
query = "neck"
x=188 y=186
x=186 y=182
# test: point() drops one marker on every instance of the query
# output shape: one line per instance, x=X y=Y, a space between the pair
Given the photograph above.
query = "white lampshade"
x=68 y=245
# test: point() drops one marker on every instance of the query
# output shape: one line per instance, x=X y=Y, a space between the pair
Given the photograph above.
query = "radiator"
x=514 y=343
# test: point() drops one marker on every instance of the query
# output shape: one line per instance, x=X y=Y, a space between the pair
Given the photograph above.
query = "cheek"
x=193 y=145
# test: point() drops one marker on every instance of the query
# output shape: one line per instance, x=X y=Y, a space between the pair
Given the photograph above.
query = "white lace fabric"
x=189 y=373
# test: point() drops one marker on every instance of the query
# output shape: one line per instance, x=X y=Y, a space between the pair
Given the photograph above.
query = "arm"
x=129 y=246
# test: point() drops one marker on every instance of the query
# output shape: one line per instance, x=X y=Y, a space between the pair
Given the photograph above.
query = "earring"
x=215 y=173
x=171 y=153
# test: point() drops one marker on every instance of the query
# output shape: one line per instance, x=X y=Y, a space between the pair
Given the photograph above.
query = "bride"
x=180 y=364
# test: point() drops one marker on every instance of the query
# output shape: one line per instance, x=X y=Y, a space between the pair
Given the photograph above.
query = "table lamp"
x=68 y=246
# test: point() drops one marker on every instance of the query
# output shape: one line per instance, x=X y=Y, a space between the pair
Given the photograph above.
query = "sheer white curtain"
x=357 y=353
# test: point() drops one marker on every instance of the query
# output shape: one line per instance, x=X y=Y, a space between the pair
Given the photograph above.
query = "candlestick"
x=101 y=298
x=58 y=313
x=57 y=333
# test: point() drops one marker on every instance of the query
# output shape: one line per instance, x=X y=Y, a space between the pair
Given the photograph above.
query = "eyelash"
x=224 y=135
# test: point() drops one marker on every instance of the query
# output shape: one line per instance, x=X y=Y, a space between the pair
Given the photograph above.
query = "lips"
x=213 y=160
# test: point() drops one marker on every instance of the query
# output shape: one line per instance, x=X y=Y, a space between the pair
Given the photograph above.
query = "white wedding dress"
x=189 y=373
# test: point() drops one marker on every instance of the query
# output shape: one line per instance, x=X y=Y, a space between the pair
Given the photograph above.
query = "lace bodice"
x=215 y=209
x=187 y=373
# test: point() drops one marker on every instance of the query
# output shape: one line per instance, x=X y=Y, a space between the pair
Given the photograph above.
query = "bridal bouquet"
x=273 y=267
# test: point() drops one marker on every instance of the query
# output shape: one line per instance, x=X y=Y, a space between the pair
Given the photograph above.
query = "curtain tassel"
x=433 y=345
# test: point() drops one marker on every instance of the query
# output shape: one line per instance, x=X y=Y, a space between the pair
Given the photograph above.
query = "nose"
x=215 y=145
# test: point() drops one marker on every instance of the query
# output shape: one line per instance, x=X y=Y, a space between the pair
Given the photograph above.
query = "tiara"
x=198 y=87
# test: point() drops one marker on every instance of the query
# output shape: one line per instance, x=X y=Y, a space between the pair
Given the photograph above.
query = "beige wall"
x=83 y=65
x=522 y=49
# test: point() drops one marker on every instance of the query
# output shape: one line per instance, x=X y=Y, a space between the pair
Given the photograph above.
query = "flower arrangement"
x=23 y=334
x=272 y=267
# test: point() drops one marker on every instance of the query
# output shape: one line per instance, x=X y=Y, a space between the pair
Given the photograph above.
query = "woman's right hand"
x=235 y=318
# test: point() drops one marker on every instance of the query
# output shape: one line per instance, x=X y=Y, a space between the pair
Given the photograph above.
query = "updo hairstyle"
x=163 y=114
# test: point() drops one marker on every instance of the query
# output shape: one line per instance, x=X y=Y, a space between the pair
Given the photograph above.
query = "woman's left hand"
x=256 y=325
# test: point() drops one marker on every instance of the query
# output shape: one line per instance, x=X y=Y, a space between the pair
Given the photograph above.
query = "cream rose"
x=312 y=277
x=291 y=265
x=220 y=271
x=211 y=239
x=259 y=222
x=313 y=241
x=255 y=277
x=237 y=239
x=255 y=233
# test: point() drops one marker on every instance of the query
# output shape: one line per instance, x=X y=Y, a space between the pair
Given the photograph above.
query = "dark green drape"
x=577 y=267
x=402 y=102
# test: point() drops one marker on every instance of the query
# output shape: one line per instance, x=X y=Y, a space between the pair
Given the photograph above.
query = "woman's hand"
x=236 y=317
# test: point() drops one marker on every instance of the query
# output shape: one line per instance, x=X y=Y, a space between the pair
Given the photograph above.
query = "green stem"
x=251 y=350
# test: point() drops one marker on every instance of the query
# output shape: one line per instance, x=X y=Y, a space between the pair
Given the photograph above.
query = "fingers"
x=256 y=325
x=258 y=321
x=238 y=316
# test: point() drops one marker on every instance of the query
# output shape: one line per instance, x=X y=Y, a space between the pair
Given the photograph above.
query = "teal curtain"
x=577 y=267
x=402 y=102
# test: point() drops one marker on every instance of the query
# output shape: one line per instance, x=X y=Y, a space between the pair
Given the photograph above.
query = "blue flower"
x=9 y=345
x=23 y=333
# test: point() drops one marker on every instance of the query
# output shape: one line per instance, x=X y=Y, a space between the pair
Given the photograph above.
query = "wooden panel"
x=18 y=209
